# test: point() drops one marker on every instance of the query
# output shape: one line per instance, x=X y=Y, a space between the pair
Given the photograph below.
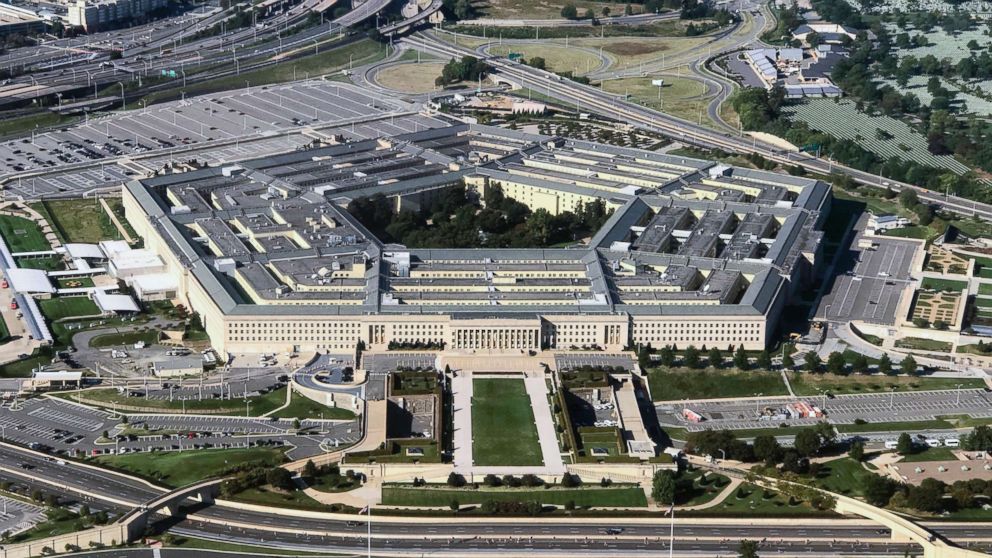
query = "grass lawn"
x=923 y=344
x=703 y=490
x=812 y=384
x=22 y=368
x=542 y=9
x=843 y=476
x=943 y=284
x=57 y=522
x=257 y=405
x=669 y=384
x=175 y=468
x=82 y=220
x=45 y=263
x=593 y=496
x=557 y=58
x=24 y=124
x=4 y=332
x=74 y=282
x=751 y=501
x=503 y=429
x=930 y=454
x=681 y=97
x=895 y=427
x=303 y=408
x=22 y=235
x=279 y=498
x=125 y=338
x=412 y=77
x=66 y=307
x=207 y=544
x=912 y=231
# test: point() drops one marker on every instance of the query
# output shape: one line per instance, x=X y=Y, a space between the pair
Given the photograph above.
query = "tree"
x=812 y=362
x=296 y=424
x=569 y=11
x=666 y=356
x=928 y=496
x=715 y=357
x=747 y=549
x=885 y=365
x=908 y=365
x=454 y=505
x=908 y=198
x=455 y=480
x=764 y=361
x=591 y=15
x=280 y=478
x=857 y=451
x=860 y=364
x=310 y=469
x=808 y=442
x=980 y=439
x=878 y=490
x=767 y=448
x=691 y=357
x=740 y=358
x=569 y=480
x=788 y=362
x=836 y=364
x=904 y=445
x=663 y=487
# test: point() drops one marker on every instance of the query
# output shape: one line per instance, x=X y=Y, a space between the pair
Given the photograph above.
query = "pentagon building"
x=694 y=252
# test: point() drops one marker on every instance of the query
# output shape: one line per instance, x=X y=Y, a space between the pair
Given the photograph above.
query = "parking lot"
x=235 y=125
x=869 y=284
x=392 y=361
x=53 y=423
x=17 y=516
x=842 y=409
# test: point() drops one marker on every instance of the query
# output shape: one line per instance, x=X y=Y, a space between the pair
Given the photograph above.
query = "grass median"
x=670 y=384
x=111 y=399
x=628 y=496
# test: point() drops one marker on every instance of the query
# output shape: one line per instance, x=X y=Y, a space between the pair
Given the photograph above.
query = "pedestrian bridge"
x=136 y=521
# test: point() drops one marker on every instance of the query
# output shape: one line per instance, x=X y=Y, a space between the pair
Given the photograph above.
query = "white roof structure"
x=155 y=282
x=59 y=376
x=136 y=261
x=29 y=280
x=113 y=247
x=115 y=302
x=84 y=251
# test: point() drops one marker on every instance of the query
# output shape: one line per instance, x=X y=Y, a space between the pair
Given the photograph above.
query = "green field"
x=503 y=429
x=895 y=427
x=67 y=307
x=82 y=220
x=22 y=235
x=583 y=497
x=813 y=384
x=23 y=368
x=126 y=338
x=930 y=454
x=45 y=263
x=843 y=476
x=266 y=497
x=175 y=468
x=923 y=344
x=678 y=383
x=303 y=408
x=751 y=501
x=257 y=405
x=943 y=284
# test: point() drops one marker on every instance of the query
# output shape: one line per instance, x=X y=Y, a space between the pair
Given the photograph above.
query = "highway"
x=592 y=99
x=703 y=536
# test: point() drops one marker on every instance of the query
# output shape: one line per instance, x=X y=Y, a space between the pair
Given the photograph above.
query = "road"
x=698 y=536
x=595 y=100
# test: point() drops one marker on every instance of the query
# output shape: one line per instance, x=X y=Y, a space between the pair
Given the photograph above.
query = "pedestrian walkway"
x=461 y=391
x=537 y=390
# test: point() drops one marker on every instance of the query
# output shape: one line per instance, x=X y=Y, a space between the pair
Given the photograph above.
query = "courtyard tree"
x=663 y=487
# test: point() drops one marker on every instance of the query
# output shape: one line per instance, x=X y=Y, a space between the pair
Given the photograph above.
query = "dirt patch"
x=632 y=48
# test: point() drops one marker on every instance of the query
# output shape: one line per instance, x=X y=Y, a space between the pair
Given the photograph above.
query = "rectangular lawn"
x=503 y=429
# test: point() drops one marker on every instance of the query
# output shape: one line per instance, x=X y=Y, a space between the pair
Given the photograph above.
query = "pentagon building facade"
x=694 y=253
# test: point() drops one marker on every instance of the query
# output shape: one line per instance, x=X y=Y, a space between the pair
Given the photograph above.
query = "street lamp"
x=122 y=94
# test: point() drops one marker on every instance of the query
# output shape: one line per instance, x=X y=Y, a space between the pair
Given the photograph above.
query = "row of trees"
x=455 y=221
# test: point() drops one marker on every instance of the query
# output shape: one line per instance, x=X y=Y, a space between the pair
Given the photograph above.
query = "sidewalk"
x=537 y=389
x=461 y=391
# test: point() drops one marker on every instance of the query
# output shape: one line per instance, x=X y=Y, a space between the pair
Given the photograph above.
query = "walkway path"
x=537 y=390
x=117 y=223
x=461 y=391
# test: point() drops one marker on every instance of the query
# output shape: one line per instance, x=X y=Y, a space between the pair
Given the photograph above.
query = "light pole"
x=122 y=94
